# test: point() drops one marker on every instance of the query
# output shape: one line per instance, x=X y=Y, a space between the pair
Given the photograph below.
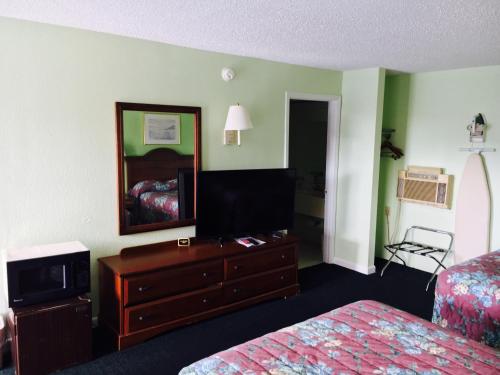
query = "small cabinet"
x=51 y=336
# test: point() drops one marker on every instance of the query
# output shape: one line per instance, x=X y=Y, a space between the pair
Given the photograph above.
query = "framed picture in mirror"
x=162 y=129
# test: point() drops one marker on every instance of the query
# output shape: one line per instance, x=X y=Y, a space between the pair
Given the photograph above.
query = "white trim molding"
x=354 y=266
x=332 y=162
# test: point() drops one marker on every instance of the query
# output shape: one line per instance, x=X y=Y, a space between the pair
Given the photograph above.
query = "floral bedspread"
x=154 y=201
x=468 y=299
x=364 y=337
x=152 y=185
x=158 y=206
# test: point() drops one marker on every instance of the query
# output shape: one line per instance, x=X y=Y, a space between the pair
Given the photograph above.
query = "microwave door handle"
x=65 y=279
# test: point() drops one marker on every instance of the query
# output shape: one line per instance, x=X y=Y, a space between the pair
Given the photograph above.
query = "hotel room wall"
x=58 y=140
x=395 y=117
x=440 y=106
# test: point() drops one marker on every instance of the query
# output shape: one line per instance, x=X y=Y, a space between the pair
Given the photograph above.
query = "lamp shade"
x=238 y=118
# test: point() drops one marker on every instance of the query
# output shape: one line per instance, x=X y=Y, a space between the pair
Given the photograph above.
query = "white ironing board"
x=472 y=215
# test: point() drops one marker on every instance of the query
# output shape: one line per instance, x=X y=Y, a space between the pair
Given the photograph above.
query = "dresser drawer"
x=169 y=309
x=259 y=261
x=162 y=283
x=253 y=286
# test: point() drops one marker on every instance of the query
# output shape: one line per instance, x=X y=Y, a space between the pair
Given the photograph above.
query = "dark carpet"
x=323 y=288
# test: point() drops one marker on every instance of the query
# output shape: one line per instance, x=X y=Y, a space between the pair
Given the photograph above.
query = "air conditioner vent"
x=425 y=186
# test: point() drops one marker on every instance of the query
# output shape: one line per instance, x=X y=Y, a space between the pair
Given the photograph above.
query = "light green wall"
x=440 y=106
x=58 y=142
x=133 y=135
x=395 y=117
x=359 y=155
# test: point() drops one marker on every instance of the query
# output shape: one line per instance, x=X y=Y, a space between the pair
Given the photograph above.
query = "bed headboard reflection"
x=159 y=164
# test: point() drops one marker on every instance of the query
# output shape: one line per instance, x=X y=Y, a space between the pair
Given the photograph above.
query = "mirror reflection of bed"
x=159 y=187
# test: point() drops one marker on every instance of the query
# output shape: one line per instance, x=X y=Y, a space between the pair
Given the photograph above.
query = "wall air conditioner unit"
x=425 y=186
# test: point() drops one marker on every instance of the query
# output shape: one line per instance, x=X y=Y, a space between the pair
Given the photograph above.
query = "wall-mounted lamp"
x=237 y=119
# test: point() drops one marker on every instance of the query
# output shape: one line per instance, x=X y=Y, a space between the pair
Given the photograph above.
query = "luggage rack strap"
x=415 y=247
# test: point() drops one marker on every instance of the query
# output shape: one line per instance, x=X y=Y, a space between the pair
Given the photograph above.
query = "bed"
x=467 y=299
x=365 y=337
x=156 y=206
x=160 y=185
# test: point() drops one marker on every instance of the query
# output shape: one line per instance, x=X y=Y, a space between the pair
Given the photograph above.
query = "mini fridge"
x=52 y=336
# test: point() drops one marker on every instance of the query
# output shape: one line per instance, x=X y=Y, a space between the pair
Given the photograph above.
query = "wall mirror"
x=158 y=158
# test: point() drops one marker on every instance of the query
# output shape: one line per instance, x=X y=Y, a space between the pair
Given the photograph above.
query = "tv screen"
x=244 y=202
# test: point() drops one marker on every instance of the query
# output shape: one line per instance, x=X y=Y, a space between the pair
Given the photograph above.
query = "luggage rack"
x=417 y=248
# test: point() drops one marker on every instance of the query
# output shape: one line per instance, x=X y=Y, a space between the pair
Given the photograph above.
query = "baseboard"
x=354 y=266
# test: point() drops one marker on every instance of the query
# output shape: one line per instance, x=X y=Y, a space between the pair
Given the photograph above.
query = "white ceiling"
x=401 y=35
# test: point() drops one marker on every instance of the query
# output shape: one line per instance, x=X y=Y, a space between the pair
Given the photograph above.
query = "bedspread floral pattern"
x=155 y=201
x=152 y=186
x=158 y=206
x=365 y=337
x=468 y=299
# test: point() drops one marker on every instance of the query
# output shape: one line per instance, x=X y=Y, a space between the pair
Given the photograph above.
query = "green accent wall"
x=133 y=135
x=395 y=117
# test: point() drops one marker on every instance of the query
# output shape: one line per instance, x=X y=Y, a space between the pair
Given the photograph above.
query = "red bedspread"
x=159 y=206
x=364 y=337
x=468 y=299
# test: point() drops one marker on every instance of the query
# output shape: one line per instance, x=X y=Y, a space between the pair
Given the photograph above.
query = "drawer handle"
x=235 y=290
x=205 y=300
x=282 y=277
x=236 y=268
x=283 y=256
x=143 y=288
x=205 y=274
x=141 y=318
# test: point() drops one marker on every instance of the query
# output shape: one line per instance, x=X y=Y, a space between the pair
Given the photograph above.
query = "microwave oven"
x=45 y=273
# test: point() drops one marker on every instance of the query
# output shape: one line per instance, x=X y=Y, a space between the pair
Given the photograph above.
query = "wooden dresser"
x=147 y=290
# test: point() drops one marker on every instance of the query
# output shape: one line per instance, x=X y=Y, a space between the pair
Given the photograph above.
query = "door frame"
x=332 y=162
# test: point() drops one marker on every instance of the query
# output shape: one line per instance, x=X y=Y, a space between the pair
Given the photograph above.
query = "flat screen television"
x=235 y=203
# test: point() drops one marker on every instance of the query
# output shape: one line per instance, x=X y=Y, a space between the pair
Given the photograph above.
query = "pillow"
x=141 y=187
x=169 y=185
x=152 y=185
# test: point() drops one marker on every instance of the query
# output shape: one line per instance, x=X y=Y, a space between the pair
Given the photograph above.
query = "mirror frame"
x=122 y=106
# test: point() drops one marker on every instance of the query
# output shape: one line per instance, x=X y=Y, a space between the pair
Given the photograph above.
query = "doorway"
x=311 y=147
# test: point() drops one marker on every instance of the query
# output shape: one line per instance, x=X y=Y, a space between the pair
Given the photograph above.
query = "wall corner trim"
x=367 y=270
